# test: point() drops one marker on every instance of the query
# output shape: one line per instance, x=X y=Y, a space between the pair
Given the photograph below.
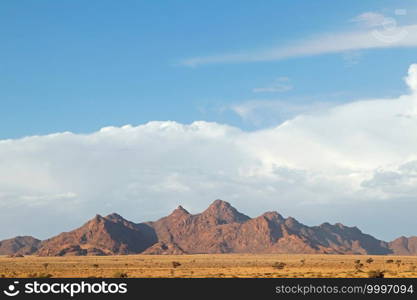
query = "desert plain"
x=210 y=266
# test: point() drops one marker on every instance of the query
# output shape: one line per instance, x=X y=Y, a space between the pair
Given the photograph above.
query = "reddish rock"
x=24 y=245
x=101 y=236
x=404 y=245
x=164 y=248
x=219 y=229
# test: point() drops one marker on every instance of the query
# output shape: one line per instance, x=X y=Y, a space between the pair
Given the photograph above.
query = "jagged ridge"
x=219 y=229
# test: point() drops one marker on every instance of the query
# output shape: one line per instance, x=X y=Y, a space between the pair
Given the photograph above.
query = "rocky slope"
x=404 y=246
x=222 y=229
x=218 y=229
x=101 y=236
x=19 y=245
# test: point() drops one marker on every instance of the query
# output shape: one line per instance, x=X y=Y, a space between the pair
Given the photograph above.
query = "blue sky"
x=80 y=65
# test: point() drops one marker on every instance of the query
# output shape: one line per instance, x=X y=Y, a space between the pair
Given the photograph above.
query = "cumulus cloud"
x=348 y=163
x=411 y=79
x=270 y=112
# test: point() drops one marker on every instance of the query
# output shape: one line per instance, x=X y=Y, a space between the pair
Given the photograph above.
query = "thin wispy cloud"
x=377 y=32
x=371 y=19
x=280 y=84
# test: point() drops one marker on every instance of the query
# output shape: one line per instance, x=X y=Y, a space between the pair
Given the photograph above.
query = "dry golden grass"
x=217 y=266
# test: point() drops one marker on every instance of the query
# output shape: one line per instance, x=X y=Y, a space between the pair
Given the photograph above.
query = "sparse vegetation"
x=370 y=260
x=376 y=274
x=120 y=275
x=358 y=266
x=279 y=265
x=389 y=261
x=398 y=263
x=202 y=265
x=39 y=275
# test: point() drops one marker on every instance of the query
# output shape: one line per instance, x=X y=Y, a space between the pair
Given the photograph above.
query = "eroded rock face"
x=404 y=245
x=219 y=229
x=23 y=245
x=101 y=236
x=223 y=229
x=164 y=248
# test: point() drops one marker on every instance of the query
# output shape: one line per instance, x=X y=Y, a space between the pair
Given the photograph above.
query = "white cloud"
x=281 y=84
x=411 y=79
x=379 y=32
x=372 y=19
x=355 y=158
x=270 y=112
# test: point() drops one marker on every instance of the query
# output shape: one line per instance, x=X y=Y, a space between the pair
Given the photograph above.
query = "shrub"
x=389 y=261
x=40 y=275
x=120 y=275
x=376 y=274
x=358 y=266
x=279 y=265
x=175 y=264
x=369 y=260
x=398 y=262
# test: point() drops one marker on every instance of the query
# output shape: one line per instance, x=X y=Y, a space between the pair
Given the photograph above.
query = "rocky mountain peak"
x=180 y=211
x=219 y=229
x=223 y=213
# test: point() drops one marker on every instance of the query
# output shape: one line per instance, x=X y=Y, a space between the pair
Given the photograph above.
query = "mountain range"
x=219 y=229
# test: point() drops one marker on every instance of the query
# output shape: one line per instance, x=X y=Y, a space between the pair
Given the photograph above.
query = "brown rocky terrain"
x=101 y=236
x=404 y=246
x=164 y=248
x=222 y=229
x=218 y=229
x=19 y=245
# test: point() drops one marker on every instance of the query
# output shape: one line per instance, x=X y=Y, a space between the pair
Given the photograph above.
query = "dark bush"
x=120 y=275
x=279 y=265
x=376 y=274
